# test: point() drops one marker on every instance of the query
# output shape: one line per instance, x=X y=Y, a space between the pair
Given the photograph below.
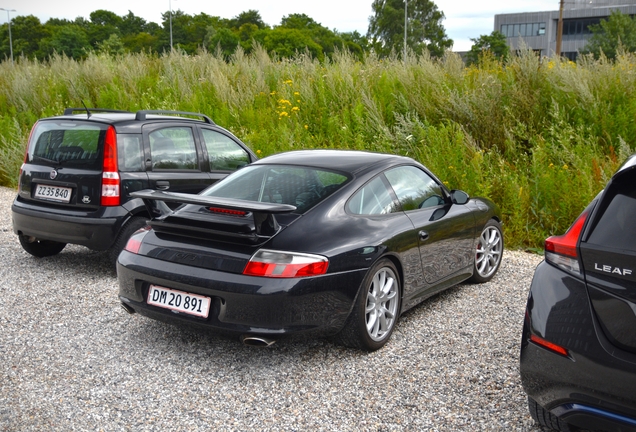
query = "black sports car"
x=332 y=243
x=578 y=352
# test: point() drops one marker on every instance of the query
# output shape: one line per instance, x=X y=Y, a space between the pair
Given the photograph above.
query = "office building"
x=538 y=30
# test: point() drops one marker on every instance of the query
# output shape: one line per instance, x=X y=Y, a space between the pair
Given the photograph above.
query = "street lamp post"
x=170 y=4
x=559 y=37
x=406 y=6
x=9 y=22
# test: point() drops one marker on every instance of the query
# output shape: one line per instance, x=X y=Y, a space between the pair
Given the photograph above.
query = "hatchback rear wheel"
x=40 y=248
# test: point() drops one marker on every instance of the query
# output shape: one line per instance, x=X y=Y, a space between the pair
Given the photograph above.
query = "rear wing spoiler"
x=263 y=212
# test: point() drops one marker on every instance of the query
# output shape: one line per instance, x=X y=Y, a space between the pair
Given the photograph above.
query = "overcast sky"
x=465 y=19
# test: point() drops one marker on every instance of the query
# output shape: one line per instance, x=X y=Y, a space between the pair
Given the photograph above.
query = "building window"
x=523 y=30
x=574 y=27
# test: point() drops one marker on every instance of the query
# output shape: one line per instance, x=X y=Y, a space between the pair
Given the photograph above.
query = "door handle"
x=423 y=235
x=162 y=185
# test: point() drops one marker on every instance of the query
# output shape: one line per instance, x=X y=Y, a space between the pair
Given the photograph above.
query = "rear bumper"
x=243 y=304
x=593 y=387
x=96 y=230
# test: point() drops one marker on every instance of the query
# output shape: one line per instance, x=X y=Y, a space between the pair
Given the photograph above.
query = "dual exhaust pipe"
x=249 y=340
x=257 y=341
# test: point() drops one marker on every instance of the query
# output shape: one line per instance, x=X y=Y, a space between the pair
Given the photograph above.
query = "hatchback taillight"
x=110 y=173
x=561 y=250
x=277 y=264
x=26 y=158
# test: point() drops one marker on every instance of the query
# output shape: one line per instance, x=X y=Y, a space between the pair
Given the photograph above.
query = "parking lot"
x=72 y=359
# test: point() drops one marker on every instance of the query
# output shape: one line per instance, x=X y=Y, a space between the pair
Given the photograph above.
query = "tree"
x=618 y=30
x=424 y=27
x=103 y=24
x=249 y=17
x=67 y=39
x=495 y=43
x=286 y=42
x=26 y=32
x=224 y=39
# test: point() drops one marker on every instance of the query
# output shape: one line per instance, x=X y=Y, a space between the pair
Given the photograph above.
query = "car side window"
x=224 y=153
x=373 y=199
x=616 y=228
x=414 y=188
x=173 y=148
x=130 y=153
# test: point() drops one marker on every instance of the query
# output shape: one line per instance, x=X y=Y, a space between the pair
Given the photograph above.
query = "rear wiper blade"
x=48 y=160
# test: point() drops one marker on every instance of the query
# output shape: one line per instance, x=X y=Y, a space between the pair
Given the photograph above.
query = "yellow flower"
x=296 y=93
x=284 y=102
x=273 y=93
x=451 y=167
x=258 y=152
x=294 y=109
x=551 y=165
x=284 y=114
x=306 y=126
x=565 y=167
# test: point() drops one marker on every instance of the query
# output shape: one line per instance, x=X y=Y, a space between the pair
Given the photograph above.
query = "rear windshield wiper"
x=53 y=161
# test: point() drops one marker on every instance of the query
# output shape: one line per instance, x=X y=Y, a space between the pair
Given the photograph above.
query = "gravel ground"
x=72 y=359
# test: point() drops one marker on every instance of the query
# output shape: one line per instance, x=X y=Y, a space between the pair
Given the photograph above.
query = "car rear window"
x=302 y=187
x=68 y=143
x=616 y=228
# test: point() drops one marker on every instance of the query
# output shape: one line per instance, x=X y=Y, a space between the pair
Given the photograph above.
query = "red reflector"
x=566 y=243
x=227 y=211
x=549 y=345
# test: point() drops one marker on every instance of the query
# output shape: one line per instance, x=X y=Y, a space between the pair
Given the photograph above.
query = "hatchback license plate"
x=53 y=193
x=179 y=301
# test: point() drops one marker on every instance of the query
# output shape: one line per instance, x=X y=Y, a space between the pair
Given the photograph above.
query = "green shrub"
x=540 y=137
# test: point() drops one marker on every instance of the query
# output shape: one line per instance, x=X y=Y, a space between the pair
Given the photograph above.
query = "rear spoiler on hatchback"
x=263 y=213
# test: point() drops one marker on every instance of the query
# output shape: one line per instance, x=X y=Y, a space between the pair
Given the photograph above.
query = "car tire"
x=376 y=309
x=40 y=248
x=490 y=247
x=134 y=223
x=546 y=419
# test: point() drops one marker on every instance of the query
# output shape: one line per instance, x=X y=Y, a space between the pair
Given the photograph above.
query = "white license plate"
x=180 y=301
x=53 y=193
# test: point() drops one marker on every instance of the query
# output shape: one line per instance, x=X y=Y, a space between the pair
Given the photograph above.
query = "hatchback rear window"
x=66 y=143
x=302 y=187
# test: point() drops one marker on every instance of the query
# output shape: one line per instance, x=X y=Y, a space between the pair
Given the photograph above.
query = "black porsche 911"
x=319 y=242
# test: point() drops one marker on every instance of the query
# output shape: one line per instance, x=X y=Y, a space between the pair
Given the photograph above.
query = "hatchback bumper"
x=592 y=387
x=242 y=304
x=95 y=231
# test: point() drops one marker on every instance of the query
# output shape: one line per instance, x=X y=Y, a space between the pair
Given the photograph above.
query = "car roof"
x=349 y=161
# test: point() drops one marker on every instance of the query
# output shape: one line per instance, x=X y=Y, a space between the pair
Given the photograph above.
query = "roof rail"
x=70 y=111
x=141 y=115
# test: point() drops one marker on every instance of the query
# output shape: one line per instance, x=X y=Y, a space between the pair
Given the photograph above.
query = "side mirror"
x=459 y=197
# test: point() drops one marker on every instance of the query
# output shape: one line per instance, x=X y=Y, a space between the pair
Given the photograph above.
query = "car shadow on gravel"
x=80 y=261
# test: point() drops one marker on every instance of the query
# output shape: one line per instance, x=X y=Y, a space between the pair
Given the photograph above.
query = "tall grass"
x=539 y=137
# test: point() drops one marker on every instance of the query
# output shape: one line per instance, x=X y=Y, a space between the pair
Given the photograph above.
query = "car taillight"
x=561 y=250
x=134 y=242
x=26 y=158
x=276 y=264
x=110 y=174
